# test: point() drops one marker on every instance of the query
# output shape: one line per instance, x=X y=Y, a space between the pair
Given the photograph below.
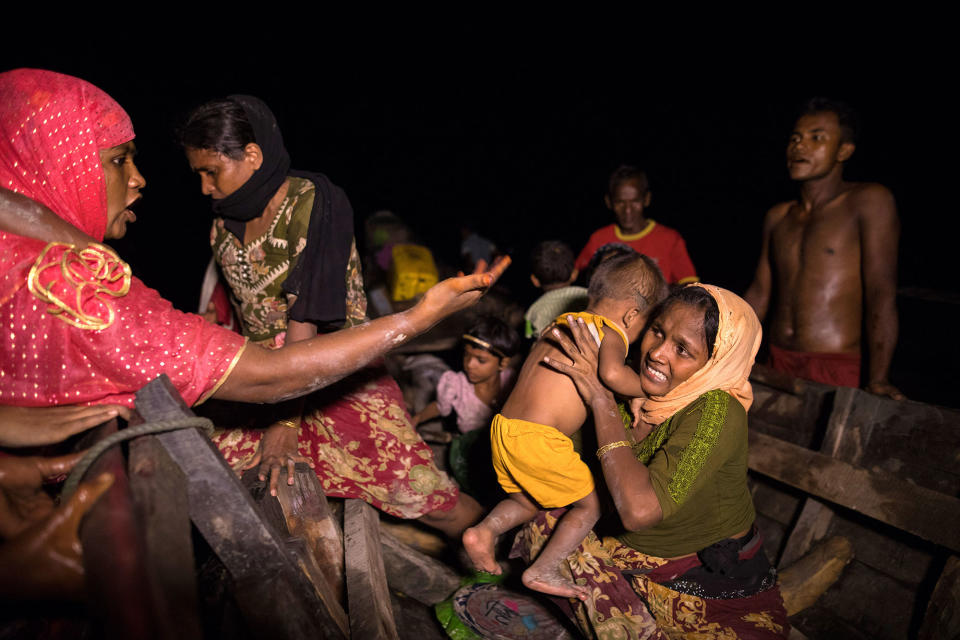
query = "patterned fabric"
x=77 y=327
x=255 y=271
x=363 y=445
x=52 y=127
x=639 y=606
x=45 y=359
x=357 y=432
x=664 y=245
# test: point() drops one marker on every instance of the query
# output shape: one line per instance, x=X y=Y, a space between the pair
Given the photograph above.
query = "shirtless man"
x=831 y=256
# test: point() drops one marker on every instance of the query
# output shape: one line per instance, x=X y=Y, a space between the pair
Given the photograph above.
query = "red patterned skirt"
x=363 y=444
x=637 y=606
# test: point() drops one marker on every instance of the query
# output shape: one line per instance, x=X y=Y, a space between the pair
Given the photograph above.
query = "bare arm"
x=24 y=217
x=879 y=236
x=627 y=478
x=613 y=371
x=297 y=369
x=758 y=294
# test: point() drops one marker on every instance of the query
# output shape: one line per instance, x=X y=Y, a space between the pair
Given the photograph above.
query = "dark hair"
x=551 y=262
x=604 y=253
x=846 y=116
x=628 y=172
x=219 y=125
x=632 y=276
x=700 y=298
x=497 y=333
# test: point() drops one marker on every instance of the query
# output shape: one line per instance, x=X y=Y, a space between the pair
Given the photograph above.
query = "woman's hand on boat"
x=455 y=294
x=277 y=450
x=885 y=389
x=583 y=351
x=38 y=426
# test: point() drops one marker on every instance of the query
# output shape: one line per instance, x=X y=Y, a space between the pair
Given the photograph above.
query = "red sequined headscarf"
x=52 y=127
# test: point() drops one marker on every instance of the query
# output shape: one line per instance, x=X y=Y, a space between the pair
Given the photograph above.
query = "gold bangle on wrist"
x=288 y=423
x=613 y=445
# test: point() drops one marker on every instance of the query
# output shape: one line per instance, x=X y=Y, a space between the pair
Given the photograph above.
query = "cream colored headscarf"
x=728 y=369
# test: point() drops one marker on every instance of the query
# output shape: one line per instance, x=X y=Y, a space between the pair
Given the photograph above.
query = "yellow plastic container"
x=412 y=271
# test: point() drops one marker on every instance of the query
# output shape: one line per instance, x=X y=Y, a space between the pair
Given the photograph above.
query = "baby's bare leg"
x=479 y=541
x=544 y=574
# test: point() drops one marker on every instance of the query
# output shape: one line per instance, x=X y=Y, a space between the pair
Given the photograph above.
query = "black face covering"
x=249 y=201
x=319 y=277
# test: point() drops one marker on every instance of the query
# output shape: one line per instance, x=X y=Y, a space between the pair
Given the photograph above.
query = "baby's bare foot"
x=549 y=580
x=479 y=543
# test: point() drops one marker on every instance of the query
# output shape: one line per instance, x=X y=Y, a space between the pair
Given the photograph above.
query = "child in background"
x=533 y=454
x=477 y=391
x=552 y=269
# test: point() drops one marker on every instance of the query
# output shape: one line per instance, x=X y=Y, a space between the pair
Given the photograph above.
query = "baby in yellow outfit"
x=532 y=452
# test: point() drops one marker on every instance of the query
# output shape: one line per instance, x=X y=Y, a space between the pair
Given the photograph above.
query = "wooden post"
x=160 y=499
x=371 y=616
x=942 y=619
x=275 y=596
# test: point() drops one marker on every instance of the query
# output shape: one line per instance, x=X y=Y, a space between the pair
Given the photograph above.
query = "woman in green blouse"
x=685 y=559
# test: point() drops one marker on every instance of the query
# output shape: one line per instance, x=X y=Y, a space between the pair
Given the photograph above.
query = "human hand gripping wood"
x=277 y=450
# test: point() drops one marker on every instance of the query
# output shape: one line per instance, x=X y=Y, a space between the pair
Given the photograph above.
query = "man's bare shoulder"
x=871 y=199
x=777 y=212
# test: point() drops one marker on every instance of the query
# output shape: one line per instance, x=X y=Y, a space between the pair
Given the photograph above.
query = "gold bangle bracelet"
x=613 y=445
x=288 y=423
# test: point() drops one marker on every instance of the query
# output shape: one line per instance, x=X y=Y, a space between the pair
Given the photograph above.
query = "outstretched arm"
x=24 y=217
x=297 y=369
x=627 y=478
x=879 y=236
x=613 y=371
x=758 y=294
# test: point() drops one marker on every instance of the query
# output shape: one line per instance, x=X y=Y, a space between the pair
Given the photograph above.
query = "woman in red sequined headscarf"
x=78 y=328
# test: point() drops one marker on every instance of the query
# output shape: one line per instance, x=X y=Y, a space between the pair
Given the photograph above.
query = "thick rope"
x=160 y=426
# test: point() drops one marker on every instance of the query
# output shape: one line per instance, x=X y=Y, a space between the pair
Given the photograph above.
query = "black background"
x=520 y=147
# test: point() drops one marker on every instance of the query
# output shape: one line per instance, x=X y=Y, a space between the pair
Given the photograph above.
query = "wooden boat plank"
x=274 y=594
x=928 y=514
x=371 y=616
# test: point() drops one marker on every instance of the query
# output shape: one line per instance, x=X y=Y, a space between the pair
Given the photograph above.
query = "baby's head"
x=625 y=289
x=487 y=348
x=551 y=264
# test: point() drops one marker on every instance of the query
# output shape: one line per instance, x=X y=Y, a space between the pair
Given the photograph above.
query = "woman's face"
x=123 y=183
x=221 y=175
x=672 y=349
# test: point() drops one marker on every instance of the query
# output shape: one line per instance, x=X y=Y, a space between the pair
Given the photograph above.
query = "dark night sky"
x=522 y=151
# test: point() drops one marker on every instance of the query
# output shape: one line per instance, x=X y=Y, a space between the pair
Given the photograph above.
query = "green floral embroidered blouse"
x=256 y=271
x=698 y=468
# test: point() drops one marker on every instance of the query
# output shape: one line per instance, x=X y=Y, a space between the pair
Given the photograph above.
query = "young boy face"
x=628 y=202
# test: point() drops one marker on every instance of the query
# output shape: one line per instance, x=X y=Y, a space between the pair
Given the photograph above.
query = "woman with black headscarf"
x=284 y=242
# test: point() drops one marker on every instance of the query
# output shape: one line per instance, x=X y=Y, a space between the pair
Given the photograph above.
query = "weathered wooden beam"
x=275 y=596
x=114 y=553
x=371 y=616
x=160 y=499
x=414 y=574
x=815 y=516
x=883 y=496
x=274 y=512
x=308 y=517
x=942 y=619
